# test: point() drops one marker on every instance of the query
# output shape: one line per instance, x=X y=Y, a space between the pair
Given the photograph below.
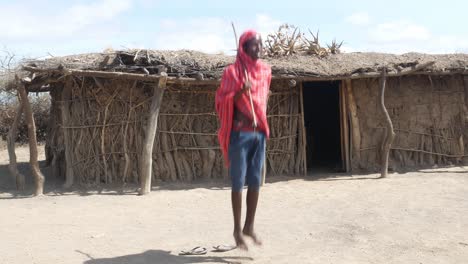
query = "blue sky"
x=39 y=28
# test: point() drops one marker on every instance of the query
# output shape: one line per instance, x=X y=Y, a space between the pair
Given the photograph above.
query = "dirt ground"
x=419 y=217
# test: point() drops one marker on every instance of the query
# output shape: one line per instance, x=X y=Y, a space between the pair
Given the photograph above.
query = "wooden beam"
x=279 y=76
x=123 y=75
x=146 y=167
x=417 y=68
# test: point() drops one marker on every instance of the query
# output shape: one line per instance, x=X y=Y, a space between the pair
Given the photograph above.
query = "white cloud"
x=451 y=43
x=266 y=25
x=358 y=19
x=208 y=34
x=210 y=43
x=147 y=3
x=403 y=36
x=31 y=24
x=348 y=49
x=399 y=31
x=78 y=16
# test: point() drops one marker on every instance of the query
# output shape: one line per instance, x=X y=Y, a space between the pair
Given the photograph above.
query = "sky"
x=35 y=29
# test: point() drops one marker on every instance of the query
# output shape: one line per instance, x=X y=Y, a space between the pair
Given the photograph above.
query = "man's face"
x=254 y=47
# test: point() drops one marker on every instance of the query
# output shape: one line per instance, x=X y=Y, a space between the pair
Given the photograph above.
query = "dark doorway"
x=322 y=122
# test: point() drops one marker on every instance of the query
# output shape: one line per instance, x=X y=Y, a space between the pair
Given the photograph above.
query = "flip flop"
x=194 y=251
x=223 y=248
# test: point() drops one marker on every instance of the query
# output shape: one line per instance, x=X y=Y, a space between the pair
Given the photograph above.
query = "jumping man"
x=241 y=102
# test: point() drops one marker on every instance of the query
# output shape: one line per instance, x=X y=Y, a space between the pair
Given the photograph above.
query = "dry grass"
x=288 y=40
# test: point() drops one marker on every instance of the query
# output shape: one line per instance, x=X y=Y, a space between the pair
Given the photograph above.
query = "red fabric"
x=232 y=81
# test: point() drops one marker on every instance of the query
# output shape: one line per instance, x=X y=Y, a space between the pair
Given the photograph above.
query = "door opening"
x=322 y=123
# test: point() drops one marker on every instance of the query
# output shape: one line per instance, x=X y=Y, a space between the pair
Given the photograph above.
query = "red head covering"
x=234 y=77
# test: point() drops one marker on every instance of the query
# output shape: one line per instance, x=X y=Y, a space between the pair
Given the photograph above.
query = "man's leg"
x=237 y=170
x=236 y=199
x=252 y=201
x=254 y=175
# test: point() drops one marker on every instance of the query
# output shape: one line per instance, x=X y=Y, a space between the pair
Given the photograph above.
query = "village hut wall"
x=100 y=106
x=429 y=118
x=100 y=123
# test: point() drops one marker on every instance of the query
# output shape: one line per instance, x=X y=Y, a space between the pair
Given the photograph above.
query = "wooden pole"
x=389 y=133
x=11 y=139
x=38 y=177
x=147 y=152
x=65 y=115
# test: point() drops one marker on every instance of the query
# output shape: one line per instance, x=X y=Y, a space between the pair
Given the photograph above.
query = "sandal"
x=194 y=251
x=223 y=248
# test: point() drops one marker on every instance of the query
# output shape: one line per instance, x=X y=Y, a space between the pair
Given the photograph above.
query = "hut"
x=325 y=113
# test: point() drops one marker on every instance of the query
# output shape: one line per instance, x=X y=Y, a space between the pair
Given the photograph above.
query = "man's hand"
x=245 y=89
x=247 y=86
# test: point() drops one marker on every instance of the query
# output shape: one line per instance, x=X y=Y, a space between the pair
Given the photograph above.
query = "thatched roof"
x=185 y=63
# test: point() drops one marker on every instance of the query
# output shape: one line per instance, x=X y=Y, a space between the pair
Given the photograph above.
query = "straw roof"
x=186 y=63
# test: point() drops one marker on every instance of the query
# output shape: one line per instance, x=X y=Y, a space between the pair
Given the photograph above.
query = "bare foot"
x=253 y=236
x=240 y=242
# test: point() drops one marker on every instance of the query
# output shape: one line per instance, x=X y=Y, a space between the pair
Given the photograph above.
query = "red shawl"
x=232 y=81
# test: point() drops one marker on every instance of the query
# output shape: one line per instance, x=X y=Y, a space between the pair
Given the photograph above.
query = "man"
x=241 y=103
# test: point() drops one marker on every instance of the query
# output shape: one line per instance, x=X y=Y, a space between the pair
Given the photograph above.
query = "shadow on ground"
x=53 y=186
x=162 y=256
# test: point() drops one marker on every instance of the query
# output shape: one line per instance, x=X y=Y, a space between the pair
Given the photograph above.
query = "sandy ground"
x=419 y=217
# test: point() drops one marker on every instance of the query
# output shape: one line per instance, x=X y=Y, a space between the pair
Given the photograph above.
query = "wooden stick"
x=418 y=133
x=389 y=133
x=235 y=35
x=432 y=153
x=136 y=55
x=188 y=133
x=188 y=114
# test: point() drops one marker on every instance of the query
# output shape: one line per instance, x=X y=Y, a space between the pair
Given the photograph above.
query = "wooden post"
x=389 y=133
x=355 y=129
x=65 y=114
x=38 y=177
x=147 y=152
x=303 y=130
x=11 y=139
x=344 y=127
